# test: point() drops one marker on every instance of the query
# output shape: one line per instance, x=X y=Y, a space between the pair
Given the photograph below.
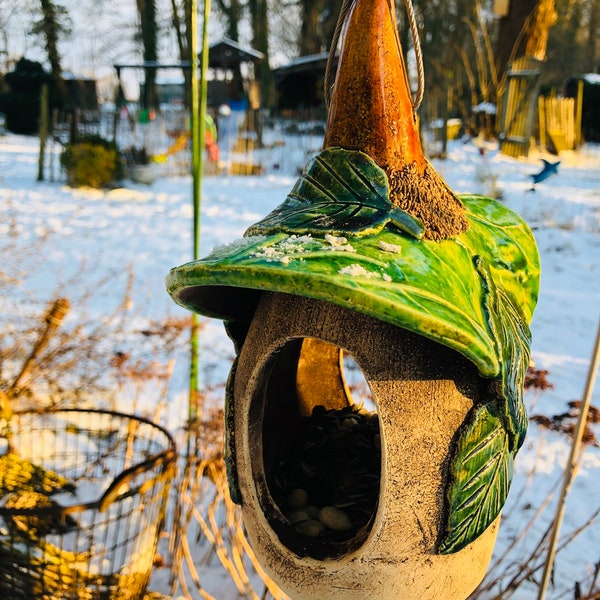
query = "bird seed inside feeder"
x=327 y=486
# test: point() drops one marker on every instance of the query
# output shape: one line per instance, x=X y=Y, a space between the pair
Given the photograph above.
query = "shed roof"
x=223 y=54
x=303 y=64
x=227 y=53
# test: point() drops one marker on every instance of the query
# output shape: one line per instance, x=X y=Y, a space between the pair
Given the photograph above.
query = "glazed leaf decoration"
x=512 y=339
x=340 y=192
x=481 y=467
x=481 y=472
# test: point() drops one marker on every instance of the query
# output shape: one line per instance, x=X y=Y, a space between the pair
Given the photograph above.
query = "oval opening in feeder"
x=318 y=467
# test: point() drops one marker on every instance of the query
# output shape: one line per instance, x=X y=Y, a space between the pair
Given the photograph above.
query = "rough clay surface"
x=423 y=392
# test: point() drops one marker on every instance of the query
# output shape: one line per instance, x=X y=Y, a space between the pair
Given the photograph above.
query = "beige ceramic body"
x=423 y=393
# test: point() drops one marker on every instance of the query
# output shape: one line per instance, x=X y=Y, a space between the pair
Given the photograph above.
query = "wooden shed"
x=299 y=84
x=590 y=115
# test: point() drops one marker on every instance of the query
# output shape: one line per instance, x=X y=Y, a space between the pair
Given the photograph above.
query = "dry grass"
x=208 y=527
x=505 y=575
x=91 y=362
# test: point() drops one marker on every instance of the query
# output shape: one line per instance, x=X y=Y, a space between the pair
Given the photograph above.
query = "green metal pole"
x=198 y=126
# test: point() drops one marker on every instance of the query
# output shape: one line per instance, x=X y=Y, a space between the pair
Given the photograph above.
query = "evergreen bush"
x=92 y=161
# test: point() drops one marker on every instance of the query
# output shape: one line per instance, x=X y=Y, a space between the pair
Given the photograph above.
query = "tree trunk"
x=537 y=29
x=182 y=33
x=233 y=15
x=260 y=42
x=147 y=13
x=50 y=27
x=310 y=41
x=594 y=27
x=50 y=31
x=511 y=41
x=44 y=114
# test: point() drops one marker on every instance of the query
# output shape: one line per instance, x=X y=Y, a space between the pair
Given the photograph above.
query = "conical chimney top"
x=371 y=111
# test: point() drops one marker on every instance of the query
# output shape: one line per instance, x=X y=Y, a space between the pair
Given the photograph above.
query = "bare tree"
x=537 y=28
x=566 y=45
x=149 y=36
x=53 y=25
x=524 y=31
x=12 y=20
x=318 y=18
x=448 y=32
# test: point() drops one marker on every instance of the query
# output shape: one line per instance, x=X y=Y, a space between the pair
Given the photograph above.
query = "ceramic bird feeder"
x=371 y=255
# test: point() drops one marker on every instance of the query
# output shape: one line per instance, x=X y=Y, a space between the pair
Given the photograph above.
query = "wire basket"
x=83 y=495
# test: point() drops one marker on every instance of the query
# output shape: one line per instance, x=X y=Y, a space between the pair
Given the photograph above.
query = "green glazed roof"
x=435 y=289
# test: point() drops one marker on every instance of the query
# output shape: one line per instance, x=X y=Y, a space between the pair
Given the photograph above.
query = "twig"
x=192 y=568
x=53 y=320
x=183 y=518
x=221 y=551
x=269 y=583
x=594 y=579
x=574 y=459
x=499 y=562
x=525 y=574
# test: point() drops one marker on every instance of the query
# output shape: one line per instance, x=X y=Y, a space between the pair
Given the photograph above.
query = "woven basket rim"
x=165 y=458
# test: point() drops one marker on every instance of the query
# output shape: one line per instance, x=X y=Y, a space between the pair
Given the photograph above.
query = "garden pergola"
x=224 y=56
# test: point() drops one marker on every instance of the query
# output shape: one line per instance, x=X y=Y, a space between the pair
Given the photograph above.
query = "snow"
x=485 y=107
x=386 y=247
x=355 y=270
x=146 y=230
x=593 y=78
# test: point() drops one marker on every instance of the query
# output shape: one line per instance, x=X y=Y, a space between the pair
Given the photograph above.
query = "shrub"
x=92 y=161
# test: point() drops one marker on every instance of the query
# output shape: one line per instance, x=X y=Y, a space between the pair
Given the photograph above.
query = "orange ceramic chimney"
x=371 y=111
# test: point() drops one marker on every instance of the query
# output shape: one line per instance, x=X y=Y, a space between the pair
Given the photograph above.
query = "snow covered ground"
x=146 y=230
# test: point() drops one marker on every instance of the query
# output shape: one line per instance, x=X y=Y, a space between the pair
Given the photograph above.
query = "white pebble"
x=297 y=498
x=310 y=528
x=334 y=518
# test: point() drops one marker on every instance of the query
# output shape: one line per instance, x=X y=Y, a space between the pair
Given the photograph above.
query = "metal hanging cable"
x=339 y=26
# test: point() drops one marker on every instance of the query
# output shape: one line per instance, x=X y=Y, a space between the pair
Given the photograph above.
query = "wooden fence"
x=519 y=106
x=560 y=122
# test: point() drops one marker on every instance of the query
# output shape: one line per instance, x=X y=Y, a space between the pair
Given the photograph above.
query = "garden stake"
x=199 y=93
x=572 y=463
x=372 y=255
